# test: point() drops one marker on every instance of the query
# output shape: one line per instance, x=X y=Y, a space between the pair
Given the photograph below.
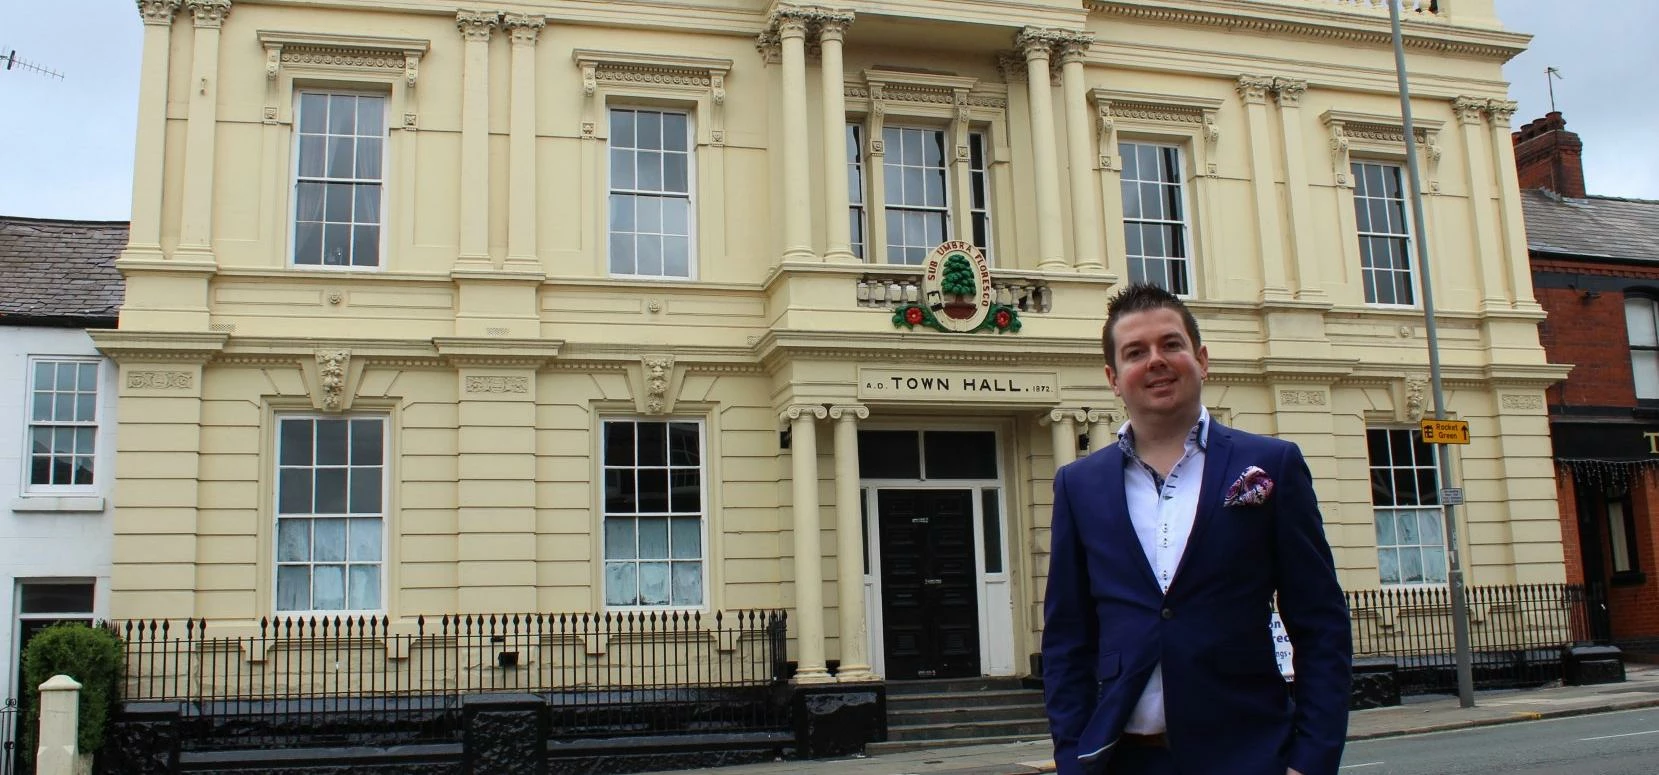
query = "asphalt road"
x=1624 y=743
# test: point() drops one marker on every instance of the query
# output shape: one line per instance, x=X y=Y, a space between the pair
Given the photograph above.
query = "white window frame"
x=1404 y=236
x=295 y=179
x=278 y=516
x=1639 y=310
x=689 y=195
x=1425 y=513
x=30 y=424
x=1181 y=178
x=603 y=510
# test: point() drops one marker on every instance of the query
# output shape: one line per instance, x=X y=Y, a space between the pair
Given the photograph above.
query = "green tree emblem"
x=958 y=279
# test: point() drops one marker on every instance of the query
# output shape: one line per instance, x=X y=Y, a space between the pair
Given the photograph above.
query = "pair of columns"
x=1039 y=46
x=476 y=28
x=1063 y=425
x=787 y=30
x=849 y=550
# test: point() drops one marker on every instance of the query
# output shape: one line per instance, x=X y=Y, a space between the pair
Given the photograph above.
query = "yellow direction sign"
x=1445 y=431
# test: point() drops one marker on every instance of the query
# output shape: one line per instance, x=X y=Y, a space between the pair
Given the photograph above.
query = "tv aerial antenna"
x=10 y=61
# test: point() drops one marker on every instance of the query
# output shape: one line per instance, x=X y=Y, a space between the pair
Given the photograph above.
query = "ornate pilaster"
x=1037 y=44
x=1085 y=205
x=1252 y=90
x=849 y=546
x=809 y=553
x=209 y=13
x=832 y=28
x=787 y=25
x=144 y=231
x=1287 y=92
x=476 y=28
x=1509 y=200
x=524 y=29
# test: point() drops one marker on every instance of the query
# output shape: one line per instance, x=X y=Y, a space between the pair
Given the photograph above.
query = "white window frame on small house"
x=62 y=409
x=350 y=66
x=1189 y=126
x=653 y=84
x=1641 y=323
x=967 y=118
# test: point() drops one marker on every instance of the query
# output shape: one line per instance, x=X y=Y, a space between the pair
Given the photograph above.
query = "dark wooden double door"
x=929 y=586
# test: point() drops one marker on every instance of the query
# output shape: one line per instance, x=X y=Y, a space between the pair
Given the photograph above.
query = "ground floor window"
x=653 y=518
x=330 y=529
x=1405 y=497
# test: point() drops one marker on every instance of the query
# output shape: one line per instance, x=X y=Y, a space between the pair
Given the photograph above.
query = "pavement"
x=1427 y=713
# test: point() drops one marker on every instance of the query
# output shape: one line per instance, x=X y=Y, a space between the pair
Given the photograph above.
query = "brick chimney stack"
x=1547 y=156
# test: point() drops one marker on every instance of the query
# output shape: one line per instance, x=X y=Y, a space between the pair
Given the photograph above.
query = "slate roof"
x=60 y=272
x=1593 y=227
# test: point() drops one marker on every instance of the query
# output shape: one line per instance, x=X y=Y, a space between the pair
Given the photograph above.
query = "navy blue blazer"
x=1107 y=623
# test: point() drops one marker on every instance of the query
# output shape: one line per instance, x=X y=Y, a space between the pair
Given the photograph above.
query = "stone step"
x=901 y=746
x=964 y=701
x=951 y=715
x=960 y=729
x=955 y=685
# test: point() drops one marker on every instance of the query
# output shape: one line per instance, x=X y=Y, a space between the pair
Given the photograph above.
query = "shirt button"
x=1168 y=614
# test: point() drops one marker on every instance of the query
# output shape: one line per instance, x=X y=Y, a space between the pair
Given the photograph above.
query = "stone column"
x=1478 y=178
x=144 y=231
x=809 y=554
x=1035 y=44
x=1510 y=218
x=1085 y=205
x=1100 y=430
x=476 y=28
x=521 y=143
x=832 y=27
x=849 y=546
x=1062 y=427
x=1288 y=93
x=1253 y=91
x=201 y=126
x=787 y=27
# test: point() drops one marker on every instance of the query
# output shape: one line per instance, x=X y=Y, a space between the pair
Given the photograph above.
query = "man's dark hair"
x=1143 y=297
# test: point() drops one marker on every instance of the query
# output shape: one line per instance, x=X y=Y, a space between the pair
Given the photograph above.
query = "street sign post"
x=1445 y=431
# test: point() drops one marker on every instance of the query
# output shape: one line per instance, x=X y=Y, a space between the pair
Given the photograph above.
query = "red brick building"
x=1595 y=270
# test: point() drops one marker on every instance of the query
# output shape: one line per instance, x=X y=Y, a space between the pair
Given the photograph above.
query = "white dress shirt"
x=1162 y=509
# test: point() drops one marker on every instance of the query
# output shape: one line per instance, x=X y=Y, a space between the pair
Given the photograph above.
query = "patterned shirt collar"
x=1198 y=437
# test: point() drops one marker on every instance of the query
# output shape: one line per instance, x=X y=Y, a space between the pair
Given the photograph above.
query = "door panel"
x=930 y=604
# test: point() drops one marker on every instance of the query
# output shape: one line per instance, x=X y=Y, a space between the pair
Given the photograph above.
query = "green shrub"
x=91 y=656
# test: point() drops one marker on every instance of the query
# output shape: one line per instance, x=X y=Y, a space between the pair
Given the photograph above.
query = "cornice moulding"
x=1341 y=25
x=633 y=60
x=474 y=351
x=172 y=346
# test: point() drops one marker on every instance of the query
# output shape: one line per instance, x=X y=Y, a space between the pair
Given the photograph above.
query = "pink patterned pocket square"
x=1252 y=488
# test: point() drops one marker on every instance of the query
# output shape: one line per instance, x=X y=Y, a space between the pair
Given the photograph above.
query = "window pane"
x=687 y=538
x=648 y=166
x=83 y=469
x=330 y=486
x=688 y=583
x=991 y=528
x=55 y=597
x=1644 y=366
x=619 y=492
x=676 y=257
x=293 y=540
x=1411 y=566
x=366 y=485
x=653 y=491
x=648 y=129
x=1434 y=566
x=366 y=204
x=328 y=540
x=1385 y=529
x=621 y=584
x=293 y=588
x=960 y=454
x=371 y=115
x=365 y=588
x=889 y=454
x=328 y=587
x=676 y=216
x=1409 y=536
x=622 y=128
x=1388 y=565
x=342 y=114
x=622 y=169
x=367 y=438
x=1639 y=322
x=675 y=131
x=1432 y=527
x=676 y=174
x=312 y=154
x=650 y=254
x=313 y=113
x=686 y=494
x=622 y=254
x=365 y=246
x=619 y=539
x=339 y=164
x=331 y=442
x=653 y=583
x=653 y=444
x=365 y=540
x=86 y=408
x=619 y=443
x=294 y=437
x=653 y=538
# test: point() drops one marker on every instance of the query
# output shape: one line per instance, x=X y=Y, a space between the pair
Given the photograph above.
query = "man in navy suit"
x=1168 y=548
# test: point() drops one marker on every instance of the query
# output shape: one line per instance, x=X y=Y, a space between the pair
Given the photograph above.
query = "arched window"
x=1641 y=320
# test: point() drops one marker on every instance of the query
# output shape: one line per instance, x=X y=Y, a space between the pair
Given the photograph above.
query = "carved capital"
x=332 y=368
x=477 y=25
x=1288 y=91
x=1253 y=89
x=1097 y=416
x=158 y=11
x=1064 y=414
x=795 y=412
x=209 y=13
x=524 y=27
x=1500 y=111
x=1470 y=110
x=1073 y=46
x=849 y=412
x=1036 y=43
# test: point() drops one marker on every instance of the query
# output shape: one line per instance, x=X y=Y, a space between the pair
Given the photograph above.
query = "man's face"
x=1158 y=372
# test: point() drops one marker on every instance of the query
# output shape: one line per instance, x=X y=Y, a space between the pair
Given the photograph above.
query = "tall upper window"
x=918 y=197
x=63 y=423
x=650 y=205
x=331 y=481
x=1384 y=239
x=1405 y=499
x=653 y=513
x=1640 y=315
x=1154 y=217
x=339 y=179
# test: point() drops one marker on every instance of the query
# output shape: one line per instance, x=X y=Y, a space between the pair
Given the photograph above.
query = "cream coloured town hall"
x=729 y=304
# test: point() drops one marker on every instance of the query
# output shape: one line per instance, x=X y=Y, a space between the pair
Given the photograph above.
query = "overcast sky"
x=66 y=145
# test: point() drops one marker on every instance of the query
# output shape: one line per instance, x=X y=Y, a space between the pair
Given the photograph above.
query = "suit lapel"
x=1120 y=528
x=1216 y=465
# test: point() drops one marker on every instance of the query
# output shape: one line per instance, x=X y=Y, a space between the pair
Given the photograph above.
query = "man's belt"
x=1157 y=740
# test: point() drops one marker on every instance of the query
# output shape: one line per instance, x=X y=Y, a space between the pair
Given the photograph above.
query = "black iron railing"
x=9 y=720
x=341 y=681
x=1515 y=632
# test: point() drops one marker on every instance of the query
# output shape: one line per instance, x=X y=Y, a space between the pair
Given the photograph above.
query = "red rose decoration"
x=1003 y=318
x=913 y=316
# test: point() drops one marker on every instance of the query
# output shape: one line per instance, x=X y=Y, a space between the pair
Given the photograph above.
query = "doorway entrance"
x=930 y=602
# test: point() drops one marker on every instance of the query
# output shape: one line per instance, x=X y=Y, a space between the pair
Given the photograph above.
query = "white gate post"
x=60 y=700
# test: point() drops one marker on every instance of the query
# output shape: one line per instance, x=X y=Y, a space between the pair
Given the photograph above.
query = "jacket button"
x=1168 y=614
